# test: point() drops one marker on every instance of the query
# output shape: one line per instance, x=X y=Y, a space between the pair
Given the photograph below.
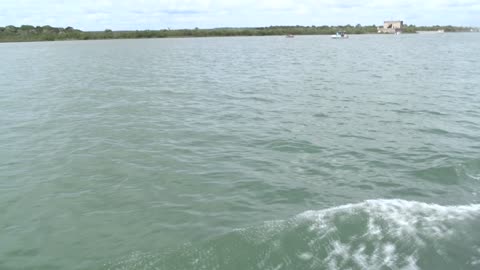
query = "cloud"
x=159 y=14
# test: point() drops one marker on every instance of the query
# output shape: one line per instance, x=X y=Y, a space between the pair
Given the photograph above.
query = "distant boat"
x=289 y=36
x=340 y=35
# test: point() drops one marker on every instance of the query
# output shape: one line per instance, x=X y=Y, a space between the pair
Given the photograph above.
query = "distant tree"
x=27 y=27
x=11 y=29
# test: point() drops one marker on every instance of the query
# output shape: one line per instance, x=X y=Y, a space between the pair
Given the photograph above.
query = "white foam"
x=306 y=256
x=476 y=259
x=386 y=225
x=278 y=267
x=405 y=215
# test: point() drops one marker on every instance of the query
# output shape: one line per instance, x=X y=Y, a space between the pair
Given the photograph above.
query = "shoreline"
x=29 y=33
x=210 y=36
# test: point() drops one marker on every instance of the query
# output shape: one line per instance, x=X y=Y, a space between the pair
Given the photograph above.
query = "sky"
x=92 y=15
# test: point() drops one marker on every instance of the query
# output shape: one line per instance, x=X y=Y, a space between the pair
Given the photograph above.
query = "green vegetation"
x=448 y=28
x=39 y=33
x=48 y=33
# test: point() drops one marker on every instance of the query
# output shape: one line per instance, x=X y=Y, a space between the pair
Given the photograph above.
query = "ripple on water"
x=461 y=174
x=290 y=146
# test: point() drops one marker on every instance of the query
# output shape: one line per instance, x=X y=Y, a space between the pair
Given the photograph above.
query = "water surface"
x=241 y=153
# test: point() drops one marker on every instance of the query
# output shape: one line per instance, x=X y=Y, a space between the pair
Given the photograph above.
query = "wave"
x=375 y=234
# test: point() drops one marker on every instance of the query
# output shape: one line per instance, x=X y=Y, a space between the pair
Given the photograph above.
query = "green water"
x=241 y=153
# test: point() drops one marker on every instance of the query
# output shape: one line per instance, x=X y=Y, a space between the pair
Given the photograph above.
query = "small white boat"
x=340 y=35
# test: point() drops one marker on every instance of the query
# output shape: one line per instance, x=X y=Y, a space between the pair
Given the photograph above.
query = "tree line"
x=48 y=33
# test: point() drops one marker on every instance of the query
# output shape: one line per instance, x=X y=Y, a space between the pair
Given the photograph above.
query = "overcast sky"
x=160 y=14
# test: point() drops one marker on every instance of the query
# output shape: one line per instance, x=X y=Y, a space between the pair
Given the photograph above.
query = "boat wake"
x=375 y=234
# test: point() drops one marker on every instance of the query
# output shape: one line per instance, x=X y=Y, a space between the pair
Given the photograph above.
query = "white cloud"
x=157 y=14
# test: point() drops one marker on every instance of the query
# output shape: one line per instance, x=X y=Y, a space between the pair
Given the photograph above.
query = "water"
x=241 y=153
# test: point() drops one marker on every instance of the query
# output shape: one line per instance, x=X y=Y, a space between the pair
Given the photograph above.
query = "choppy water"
x=241 y=153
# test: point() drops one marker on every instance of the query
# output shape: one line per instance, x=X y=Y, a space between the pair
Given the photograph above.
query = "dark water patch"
x=445 y=133
x=259 y=164
x=404 y=111
x=291 y=146
x=364 y=186
x=347 y=154
x=436 y=131
x=23 y=252
x=382 y=164
x=419 y=112
x=216 y=174
x=314 y=172
x=251 y=98
x=356 y=137
x=435 y=113
x=466 y=174
x=441 y=175
x=471 y=169
x=286 y=195
x=426 y=156
x=320 y=115
x=379 y=151
x=386 y=184
x=467 y=123
x=409 y=193
x=472 y=113
x=387 y=103
x=439 y=191
x=262 y=99
x=230 y=116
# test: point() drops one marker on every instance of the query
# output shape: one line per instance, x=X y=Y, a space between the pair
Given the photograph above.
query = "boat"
x=340 y=35
x=289 y=36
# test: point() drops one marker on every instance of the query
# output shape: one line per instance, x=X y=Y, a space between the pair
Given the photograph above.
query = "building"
x=391 y=27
